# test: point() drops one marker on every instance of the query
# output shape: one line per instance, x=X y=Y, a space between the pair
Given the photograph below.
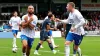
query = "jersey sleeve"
x=80 y=17
x=10 y=21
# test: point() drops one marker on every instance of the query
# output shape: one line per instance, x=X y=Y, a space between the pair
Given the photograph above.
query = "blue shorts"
x=77 y=38
x=50 y=33
x=29 y=40
x=44 y=34
x=15 y=31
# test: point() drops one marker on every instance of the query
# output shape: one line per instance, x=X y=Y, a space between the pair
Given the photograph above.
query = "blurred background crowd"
x=92 y=20
x=90 y=11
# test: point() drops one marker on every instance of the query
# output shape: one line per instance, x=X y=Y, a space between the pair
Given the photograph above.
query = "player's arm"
x=25 y=22
x=31 y=26
x=10 y=22
x=82 y=21
x=53 y=28
x=63 y=21
x=33 y=23
x=23 y=25
x=49 y=27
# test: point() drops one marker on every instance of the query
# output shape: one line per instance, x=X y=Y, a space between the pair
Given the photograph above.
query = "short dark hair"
x=14 y=12
x=49 y=11
x=30 y=5
x=72 y=4
x=50 y=15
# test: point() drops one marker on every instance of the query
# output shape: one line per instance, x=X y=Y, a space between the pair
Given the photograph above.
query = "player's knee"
x=15 y=35
x=76 y=47
x=25 y=45
x=48 y=40
x=67 y=42
x=41 y=42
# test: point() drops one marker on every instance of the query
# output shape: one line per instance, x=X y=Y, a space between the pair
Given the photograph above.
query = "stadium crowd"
x=5 y=20
x=93 y=23
x=92 y=20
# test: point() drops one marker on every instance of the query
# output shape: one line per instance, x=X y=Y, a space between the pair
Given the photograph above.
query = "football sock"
x=14 y=42
x=79 y=51
x=52 y=41
x=74 y=51
x=38 y=46
x=67 y=50
x=50 y=45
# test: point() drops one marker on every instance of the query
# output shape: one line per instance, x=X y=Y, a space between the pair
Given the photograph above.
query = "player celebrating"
x=45 y=33
x=14 y=23
x=29 y=22
x=76 y=19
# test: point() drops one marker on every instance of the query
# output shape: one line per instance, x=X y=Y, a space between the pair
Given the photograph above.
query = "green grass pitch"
x=90 y=47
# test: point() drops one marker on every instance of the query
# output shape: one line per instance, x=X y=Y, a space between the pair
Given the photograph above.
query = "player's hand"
x=57 y=20
x=73 y=29
x=26 y=18
x=31 y=19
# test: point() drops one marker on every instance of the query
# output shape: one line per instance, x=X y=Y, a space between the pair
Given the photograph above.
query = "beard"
x=30 y=13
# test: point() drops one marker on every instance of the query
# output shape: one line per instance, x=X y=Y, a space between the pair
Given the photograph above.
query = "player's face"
x=69 y=7
x=53 y=17
x=15 y=13
x=30 y=10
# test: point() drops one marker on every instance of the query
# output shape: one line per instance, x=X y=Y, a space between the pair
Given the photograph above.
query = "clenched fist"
x=31 y=18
